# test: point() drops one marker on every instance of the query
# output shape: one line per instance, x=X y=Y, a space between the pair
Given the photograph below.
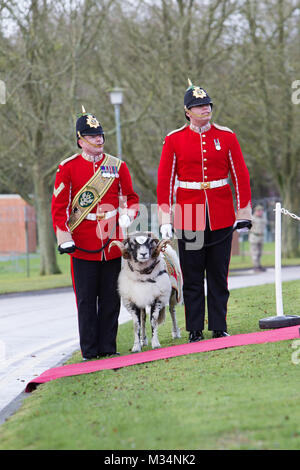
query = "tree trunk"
x=48 y=263
x=290 y=226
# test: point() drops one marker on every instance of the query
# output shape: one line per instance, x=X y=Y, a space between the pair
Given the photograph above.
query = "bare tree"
x=150 y=52
x=42 y=61
x=272 y=28
x=58 y=55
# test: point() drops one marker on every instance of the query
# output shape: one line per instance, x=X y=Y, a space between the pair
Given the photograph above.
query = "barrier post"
x=278 y=278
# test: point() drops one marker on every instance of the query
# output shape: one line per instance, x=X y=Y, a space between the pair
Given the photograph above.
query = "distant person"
x=85 y=212
x=202 y=154
x=256 y=238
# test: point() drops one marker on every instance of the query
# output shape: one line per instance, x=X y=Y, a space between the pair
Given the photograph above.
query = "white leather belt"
x=101 y=215
x=203 y=185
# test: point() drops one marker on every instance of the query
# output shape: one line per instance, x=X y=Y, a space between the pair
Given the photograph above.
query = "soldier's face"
x=200 y=115
x=92 y=144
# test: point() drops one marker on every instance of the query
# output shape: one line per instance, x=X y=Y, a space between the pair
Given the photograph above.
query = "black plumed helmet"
x=195 y=96
x=87 y=124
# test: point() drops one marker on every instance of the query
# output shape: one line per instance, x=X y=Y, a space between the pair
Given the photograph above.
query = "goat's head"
x=140 y=246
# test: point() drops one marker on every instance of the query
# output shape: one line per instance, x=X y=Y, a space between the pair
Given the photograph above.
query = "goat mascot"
x=150 y=277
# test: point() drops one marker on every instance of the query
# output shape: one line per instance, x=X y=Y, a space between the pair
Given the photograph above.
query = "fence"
x=268 y=204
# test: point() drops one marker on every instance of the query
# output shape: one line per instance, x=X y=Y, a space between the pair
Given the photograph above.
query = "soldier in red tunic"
x=85 y=211
x=200 y=157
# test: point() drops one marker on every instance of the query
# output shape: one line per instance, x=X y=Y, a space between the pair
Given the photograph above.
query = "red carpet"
x=268 y=336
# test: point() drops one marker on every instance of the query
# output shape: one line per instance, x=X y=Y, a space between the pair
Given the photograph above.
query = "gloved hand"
x=166 y=231
x=67 y=247
x=124 y=221
x=242 y=225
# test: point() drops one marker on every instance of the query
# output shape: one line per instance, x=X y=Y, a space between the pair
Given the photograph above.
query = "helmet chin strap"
x=90 y=143
x=199 y=116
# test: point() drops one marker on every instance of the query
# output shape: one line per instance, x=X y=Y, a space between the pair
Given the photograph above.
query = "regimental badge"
x=86 y=199
x=199 y=92
x=217 y=144
x=92 y=121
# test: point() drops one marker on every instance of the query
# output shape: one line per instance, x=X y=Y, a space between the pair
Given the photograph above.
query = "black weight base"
x=279 y=321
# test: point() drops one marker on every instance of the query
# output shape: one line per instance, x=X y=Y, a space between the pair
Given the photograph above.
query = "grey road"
x=38 y=331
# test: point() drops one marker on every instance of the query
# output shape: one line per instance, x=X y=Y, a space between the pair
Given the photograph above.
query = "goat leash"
x=239 y=225
x=208 y=245
x=102 y=247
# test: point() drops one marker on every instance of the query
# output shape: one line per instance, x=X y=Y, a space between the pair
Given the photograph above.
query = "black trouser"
x=98 y=303
x=214 y=261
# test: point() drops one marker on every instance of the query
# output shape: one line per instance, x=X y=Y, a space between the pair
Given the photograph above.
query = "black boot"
x=195 y=336
x=219 y=334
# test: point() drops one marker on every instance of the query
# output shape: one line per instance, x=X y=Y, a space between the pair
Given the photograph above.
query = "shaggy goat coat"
x=146 y=280
x=142 y=289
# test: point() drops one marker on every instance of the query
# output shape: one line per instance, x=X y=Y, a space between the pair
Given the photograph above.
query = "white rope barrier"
x=280 y=320
x=286 y=212
x=278 y=279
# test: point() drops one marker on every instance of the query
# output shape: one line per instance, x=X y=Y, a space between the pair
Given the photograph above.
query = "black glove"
x=242 y=224
x=67 y=247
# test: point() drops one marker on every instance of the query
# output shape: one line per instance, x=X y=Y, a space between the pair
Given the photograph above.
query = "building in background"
x=17 y=225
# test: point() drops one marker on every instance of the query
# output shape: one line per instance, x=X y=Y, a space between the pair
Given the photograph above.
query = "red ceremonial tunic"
x=72 y=174
x=203 y=156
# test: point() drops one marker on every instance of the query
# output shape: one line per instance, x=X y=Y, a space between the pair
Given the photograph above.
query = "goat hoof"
x=145 y=341
x=136 y=348
x=176 y=334
x=156 y=346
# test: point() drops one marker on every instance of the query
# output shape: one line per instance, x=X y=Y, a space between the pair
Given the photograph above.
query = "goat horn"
x=119 y=244
x=161 y=247
x=121 y=247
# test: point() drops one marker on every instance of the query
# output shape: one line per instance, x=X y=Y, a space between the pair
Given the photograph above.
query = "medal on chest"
x=108 y=171
x=217 y=144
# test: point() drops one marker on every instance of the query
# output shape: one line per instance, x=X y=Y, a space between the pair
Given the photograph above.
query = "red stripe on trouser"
x=227 y=280
x=73 y=280
x=73 y=283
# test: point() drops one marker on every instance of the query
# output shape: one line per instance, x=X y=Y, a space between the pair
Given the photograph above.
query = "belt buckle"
x=205 y=185
x=100 y=216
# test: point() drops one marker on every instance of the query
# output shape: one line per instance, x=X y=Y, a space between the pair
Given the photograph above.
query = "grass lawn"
x=243 y=260
x=237 y=398
x=13 y=276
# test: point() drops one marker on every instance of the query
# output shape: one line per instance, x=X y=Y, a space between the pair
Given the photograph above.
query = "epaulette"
x=222 y=128
x=69 y=159
x=177 y=130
